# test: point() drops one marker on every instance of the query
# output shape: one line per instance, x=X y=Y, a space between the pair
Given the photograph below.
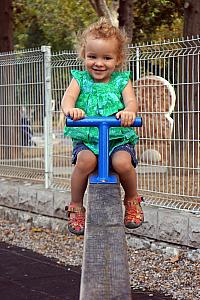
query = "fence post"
x=48 y=150
x=137 y=63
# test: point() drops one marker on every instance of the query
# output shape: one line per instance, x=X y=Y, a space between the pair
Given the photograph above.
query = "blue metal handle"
x=103 y=123
x=96 y=122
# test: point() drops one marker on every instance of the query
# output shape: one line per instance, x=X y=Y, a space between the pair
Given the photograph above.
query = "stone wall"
x=31 y=204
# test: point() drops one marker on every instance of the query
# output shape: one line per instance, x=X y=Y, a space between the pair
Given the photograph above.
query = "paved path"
x=25 y=275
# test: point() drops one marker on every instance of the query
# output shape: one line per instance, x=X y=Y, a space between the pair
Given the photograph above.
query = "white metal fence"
x=21 y=102
x=166 y=79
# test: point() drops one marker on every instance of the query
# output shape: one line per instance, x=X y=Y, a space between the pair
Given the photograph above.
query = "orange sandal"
x=76 y=219
x=134 y=216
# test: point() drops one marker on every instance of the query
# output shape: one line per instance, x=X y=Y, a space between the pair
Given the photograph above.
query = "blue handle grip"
x=96 y=122
x=103 y=123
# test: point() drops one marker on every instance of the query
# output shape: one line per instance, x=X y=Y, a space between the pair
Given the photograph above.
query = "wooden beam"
x=105 y=271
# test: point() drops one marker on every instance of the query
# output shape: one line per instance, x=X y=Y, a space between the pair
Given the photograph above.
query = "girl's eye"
x=91 y=56
x=108 y=58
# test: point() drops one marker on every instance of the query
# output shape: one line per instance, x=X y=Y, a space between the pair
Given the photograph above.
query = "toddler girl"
x=102 y=90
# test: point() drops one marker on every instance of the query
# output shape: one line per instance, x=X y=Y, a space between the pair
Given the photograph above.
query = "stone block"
x=138 y=243
x=42 y=221
x=172 y=251
x=27 y=199
x=59 y=226
x=45 y=202
x=61 y=199
x=11 y=214
x=172 y=227
x=8 y=194
x=2 y=212
x=194 y=231
x=25 y=217
x=159 y=247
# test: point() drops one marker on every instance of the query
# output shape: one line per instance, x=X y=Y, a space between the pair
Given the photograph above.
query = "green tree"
x=142 y=18
x=157 y=16
x=56 y=22
x=53 y=22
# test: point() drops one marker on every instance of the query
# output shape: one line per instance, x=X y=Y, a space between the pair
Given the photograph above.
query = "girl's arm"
x=69 y=101
x=129 y=113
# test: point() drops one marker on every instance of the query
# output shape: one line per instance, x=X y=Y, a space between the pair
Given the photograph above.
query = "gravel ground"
x=177 y=276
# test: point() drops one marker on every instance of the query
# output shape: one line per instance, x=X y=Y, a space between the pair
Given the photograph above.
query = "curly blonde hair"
x=103 y=29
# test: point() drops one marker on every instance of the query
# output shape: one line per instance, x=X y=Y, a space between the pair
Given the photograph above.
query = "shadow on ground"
x=28 y=275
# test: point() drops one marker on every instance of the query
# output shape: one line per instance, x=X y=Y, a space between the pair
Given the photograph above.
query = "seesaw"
x=105 y=271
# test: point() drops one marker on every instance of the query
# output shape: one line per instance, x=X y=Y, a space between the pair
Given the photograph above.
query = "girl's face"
x=101 y=58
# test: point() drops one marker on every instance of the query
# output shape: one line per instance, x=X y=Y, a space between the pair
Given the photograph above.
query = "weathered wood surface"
x=105 y=272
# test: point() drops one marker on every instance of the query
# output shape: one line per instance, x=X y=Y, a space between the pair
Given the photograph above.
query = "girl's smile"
x=101 y=58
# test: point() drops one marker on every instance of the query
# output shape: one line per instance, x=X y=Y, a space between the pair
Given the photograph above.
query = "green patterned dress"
x=101 y=99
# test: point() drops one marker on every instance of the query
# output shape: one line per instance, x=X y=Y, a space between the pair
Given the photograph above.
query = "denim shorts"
x=79 y=146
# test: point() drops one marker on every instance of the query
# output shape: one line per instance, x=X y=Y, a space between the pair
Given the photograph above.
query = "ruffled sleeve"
x=78 y=75
x=121 y=79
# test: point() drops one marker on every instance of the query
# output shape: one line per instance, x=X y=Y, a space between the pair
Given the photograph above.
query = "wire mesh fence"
x=61 y=64
x=21 y=114
x=166 y=80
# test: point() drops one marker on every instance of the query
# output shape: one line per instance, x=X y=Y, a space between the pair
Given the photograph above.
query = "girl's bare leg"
x=121 y=163
x=86 y=163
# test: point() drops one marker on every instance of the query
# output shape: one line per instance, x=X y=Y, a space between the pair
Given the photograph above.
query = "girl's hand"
x=127 y=117
x=76 y=113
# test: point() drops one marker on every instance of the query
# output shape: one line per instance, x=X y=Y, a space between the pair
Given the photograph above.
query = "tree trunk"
x=9 y=131
x=192 y=87
x=191 y=18
x=6 y=36
x=120 y=13
x=103 y=10
x=126 y=17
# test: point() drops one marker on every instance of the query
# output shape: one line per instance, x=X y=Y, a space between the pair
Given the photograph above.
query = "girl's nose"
x=99 y=62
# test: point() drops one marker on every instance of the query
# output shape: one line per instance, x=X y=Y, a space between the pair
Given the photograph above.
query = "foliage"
x=157 y=19
x=56 y=22
x=52 y=22
x=168 y=32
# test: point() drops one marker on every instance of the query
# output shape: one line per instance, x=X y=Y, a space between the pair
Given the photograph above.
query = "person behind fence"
x=102 y=90
x=26 y=130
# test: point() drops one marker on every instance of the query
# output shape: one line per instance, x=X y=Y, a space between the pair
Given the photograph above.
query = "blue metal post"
x=103 y=123
x=103 y=159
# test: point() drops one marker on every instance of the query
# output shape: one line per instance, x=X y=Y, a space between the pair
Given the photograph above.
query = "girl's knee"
x=86 y=161
x=122 y=163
